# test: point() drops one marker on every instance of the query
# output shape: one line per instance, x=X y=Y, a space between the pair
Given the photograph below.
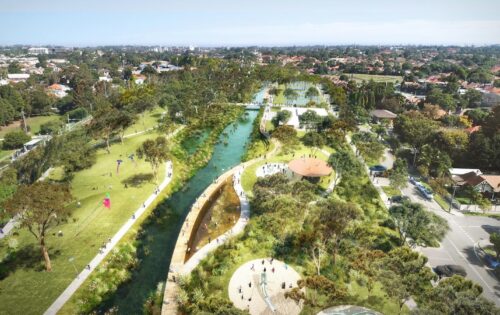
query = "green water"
x=191 y=144
x=157 y=241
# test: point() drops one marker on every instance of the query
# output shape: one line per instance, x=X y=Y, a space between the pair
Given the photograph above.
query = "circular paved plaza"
x=269 y=169
x=259 y=286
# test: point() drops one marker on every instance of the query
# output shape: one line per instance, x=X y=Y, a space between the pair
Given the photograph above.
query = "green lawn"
x=269 y=126
x=390 y=191
x=27 y=289
x=376 y=299
x=280 y=98
x=149 y=120
x=249 y=176
x=375 y=77
x=33 y=122
x=464 y=200
x=5 y=153
x=441 y=202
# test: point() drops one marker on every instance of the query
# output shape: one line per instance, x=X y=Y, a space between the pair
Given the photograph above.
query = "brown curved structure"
x=310 y=167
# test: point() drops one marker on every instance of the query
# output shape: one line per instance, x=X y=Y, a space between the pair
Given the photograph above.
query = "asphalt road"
x=458 y=246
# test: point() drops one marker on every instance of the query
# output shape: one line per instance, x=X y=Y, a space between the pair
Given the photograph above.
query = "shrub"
x=50 y=127
x=78 y=113
x=15 y=140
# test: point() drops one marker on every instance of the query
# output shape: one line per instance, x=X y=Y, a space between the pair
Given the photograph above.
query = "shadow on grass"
x=138 y=180
x=28 y=257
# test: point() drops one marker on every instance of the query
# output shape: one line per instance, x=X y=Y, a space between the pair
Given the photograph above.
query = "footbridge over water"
x=250 y=106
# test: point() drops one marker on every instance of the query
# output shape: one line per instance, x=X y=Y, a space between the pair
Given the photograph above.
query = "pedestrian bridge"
x=250 y=106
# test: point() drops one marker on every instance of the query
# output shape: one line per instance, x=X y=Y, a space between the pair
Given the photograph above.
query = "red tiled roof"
x=383 y=113
x=473 y=129
x=493 y=181
x=470 y=178
x=310 y=167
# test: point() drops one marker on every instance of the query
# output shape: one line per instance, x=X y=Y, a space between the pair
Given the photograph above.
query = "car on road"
x=449 y=270
x=427 y=193
x=413 y=180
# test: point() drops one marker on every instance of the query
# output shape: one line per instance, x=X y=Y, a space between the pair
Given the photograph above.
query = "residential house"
x=383 y=115
x=58 y=90
x=480 y=182
x=17 y=77
x=139 y=78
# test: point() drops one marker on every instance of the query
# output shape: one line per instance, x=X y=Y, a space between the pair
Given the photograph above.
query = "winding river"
x=157 y=241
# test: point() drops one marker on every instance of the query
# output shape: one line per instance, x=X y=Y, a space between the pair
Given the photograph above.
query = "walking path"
x=237 y=228
x=12 y=222
x=71 y=289
x=178 y=265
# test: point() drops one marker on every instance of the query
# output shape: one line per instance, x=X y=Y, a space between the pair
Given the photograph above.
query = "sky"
x=249 y=22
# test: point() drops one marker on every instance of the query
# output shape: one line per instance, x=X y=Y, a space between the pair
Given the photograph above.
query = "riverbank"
x=154 y=238
x=179 y=265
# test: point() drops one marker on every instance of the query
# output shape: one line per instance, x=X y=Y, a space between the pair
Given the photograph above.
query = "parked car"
x=378 y=168
x=399 y=199
x=449 y=270
x=425 y=192
x=413 y=180
x=491 y=261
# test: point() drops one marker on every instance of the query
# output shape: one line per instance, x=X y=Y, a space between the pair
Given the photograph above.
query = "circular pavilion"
x=310 y=168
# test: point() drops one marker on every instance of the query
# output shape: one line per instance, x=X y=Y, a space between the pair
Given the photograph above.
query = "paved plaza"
x=259 y=286
x=269 y=169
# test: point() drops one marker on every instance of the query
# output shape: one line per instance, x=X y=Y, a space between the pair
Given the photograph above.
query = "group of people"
x=266 y=264
x=272 y=168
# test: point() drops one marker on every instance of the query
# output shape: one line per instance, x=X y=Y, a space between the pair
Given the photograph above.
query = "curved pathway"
x=237 y=227
x=178 y=267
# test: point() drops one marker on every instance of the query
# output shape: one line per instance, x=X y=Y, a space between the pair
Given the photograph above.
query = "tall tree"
x=415 y=129
x=455 y=295
x=399 y=174
x=343 y=162
x=312 y=92
x=108 y=122
x=155 y=152
x=330 y=223
x=281 y=117
x=413 y=221
x=39 y=207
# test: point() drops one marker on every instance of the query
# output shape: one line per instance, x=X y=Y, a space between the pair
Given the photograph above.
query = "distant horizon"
x=248 y=46
x=278 y=23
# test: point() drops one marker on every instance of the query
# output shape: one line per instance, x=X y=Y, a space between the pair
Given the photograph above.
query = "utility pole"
x=452 y=197
x=25 y=127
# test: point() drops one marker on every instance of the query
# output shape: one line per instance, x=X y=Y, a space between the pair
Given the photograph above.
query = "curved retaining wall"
x=178 y=265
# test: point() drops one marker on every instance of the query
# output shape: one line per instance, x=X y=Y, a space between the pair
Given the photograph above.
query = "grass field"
x=441 y=202
x=390 y=191
x=33 y=122
x=5 y=153
x=146 y=121
x=249 y=176
x=375 y=77
x=27 y=289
